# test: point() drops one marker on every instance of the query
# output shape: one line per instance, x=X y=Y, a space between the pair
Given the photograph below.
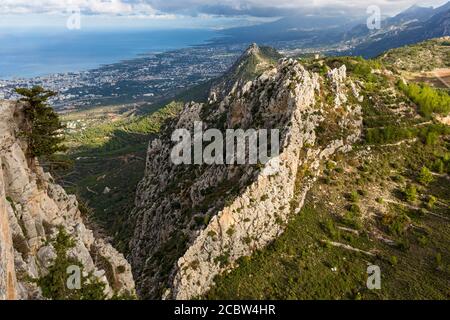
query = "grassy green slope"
x=424 y=56
x=373 y=199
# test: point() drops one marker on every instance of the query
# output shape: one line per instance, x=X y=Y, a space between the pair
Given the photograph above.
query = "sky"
x=180 y=13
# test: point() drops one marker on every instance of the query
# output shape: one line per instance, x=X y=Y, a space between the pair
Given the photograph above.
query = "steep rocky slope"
x=39 y=222
x=385 y=203
x=194 y=221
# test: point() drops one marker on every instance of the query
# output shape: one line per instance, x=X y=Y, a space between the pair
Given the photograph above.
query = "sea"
x=38 y=53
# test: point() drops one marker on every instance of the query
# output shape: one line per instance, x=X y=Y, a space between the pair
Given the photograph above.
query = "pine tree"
x=43 y=127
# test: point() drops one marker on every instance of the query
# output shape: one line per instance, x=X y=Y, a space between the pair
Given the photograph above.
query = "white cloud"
x=154 y=8
x=111 y=7
x=248 y=5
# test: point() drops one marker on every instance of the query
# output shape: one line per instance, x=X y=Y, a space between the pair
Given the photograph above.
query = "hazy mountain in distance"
x=405 y=33
x=322 y=28
x=415 y=24
x=413 y=13
x=403 y=20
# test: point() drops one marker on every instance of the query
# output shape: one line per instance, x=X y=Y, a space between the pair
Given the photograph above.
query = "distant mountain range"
x=321 y=28
x=410 y=26
x=348 y=32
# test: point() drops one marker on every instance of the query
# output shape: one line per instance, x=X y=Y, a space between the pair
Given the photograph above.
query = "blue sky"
x=179 y=13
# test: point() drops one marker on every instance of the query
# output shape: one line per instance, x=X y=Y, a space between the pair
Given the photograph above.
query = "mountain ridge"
x=432 y=25
x=283 y=97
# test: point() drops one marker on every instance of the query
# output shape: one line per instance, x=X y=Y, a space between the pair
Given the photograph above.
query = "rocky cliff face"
x=194 y=221
x=33 y=210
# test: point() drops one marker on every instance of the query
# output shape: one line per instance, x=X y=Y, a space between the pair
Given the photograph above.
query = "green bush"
x=387 y=134
x=398 y=224
x=431 y=202
x=425 y=176
x=410 y=193
x=353 y=219
x=438 y=166
x=398 y=178
x=331 y=229
x=354 y=197
x=394 y=260
x=439 y=261
x=54 y=285
x=428 y=99
x=362 y=192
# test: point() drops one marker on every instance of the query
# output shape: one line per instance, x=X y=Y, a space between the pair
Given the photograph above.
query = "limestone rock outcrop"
x=33 y=209
x=194 y=221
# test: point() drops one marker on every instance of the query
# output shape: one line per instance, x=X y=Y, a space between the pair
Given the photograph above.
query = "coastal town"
x=147 y=78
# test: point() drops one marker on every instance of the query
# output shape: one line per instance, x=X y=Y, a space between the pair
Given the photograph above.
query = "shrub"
x=396 y=223
x=53 y=285
x=423 y=240
x=431 y=202
x=410 y=193
x=425 y=176
x=438 y=166
x=394 y=260
x=429 y=100
x=403 y=244
x=439 y=260
x=211 y=233
x=354 y=196
x=352 y=219
x=331 y=165
x=430 y=134
x=354 y=208
x=431 y=138
x=339 y=170
x=398 y=178
x=387 y=134
x=330 y=228
x=379 y=200
x=84 y=209
x=362 y=192
x=223 y=260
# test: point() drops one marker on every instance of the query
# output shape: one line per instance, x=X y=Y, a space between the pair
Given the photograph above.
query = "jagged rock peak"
x=252 y=49
x=252 y=63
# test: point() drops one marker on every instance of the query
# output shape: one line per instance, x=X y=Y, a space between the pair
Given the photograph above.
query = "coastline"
x=52 y=58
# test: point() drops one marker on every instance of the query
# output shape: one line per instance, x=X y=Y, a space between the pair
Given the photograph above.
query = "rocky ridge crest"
x=193 y=222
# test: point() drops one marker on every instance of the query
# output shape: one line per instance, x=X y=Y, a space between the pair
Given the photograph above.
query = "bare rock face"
x=194 y=221
x=32 y=210
x=8 y=281
x=337 y=78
